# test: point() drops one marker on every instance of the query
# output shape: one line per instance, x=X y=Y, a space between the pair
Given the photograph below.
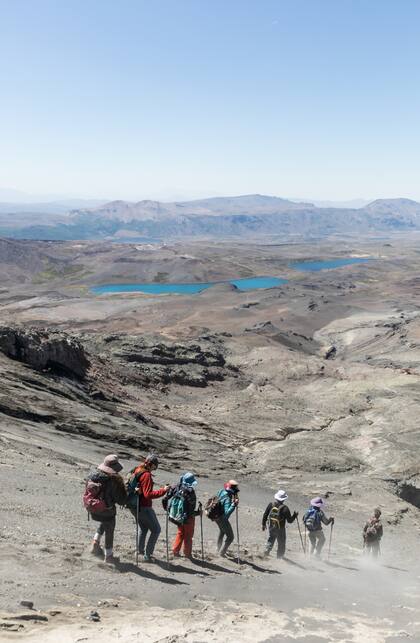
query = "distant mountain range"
x=238 y=217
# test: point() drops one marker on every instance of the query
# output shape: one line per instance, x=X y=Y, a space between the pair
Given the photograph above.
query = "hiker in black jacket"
x=111 y=492
x=277 y=514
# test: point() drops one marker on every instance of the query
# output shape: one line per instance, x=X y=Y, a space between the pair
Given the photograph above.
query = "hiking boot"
x=176 y=554
x=96 y=550
x=148 y=559
x=111 y=560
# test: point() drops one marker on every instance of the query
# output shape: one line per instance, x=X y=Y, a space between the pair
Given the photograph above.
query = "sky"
x=169 y=99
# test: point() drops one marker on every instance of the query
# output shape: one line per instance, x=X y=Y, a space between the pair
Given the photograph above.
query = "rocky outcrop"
x=44 y=350
x=151 y=363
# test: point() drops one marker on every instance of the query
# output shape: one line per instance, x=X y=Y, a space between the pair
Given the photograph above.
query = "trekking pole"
x=167 y=538
x=305 y=538
x=329 y=545
x=237 y=532
x=300 y=535
x=137 y=529
x=201 y=528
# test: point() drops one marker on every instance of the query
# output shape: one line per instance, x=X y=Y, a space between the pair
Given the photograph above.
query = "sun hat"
x=281 y=495
x=111 y=464
x=189 y=479
x=317 y=502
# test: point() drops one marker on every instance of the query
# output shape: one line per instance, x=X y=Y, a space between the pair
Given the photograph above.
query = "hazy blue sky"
x=164 y=98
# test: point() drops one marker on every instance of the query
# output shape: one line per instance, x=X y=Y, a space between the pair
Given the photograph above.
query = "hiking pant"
x=373 y=547
x=184 y=535
x=147 y=522
x=279 y=535
x=317 y=540
x=225 y=530
x=106 y=527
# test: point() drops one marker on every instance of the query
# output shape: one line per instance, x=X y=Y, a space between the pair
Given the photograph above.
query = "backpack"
x=312 y=519
x=93 y=497
x=371 y=532
x=131 y=484
x=177 y=509
x=214 y=508
x=275 y=519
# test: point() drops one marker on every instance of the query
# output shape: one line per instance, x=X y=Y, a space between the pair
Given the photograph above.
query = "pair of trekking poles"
x=303 y=542
x=167 y=532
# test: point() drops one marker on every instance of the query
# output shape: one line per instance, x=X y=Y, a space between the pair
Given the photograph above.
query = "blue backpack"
x=177 y=509
x=312 y=519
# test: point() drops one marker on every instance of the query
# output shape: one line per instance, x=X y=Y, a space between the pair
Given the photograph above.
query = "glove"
x=295 y=515
x=263 y=527
x=332 y=520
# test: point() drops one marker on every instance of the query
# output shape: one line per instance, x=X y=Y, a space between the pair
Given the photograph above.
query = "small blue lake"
x=188 y=289
x=328 y=264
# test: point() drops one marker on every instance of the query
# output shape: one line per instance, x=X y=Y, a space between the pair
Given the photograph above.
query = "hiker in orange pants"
x=185 y=491
x=184 y=535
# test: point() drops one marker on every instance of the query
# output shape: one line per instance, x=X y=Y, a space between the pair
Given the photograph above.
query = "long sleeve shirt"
x=146 y=489
x=284 y=514
x=227 y=501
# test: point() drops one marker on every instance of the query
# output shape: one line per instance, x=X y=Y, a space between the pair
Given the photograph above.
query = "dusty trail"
x=44 y=558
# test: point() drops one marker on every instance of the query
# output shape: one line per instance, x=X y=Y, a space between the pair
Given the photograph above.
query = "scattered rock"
x=93 y=616
x=28 y=604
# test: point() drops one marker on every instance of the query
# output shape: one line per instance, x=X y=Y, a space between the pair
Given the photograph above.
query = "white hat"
x=281 y=495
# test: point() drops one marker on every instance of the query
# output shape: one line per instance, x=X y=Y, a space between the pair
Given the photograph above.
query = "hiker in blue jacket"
x=313 y=519
x=229 y=500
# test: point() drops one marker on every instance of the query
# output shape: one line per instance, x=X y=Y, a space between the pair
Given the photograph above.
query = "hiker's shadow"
x=254 y=566
x=176 y=567
x=213 y=566
x=289 y=561
x=398 y=569
x=125 y=568
x=330 y=564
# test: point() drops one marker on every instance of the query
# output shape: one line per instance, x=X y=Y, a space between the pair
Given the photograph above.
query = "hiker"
x=277 y=513
x=313 y=519
x=228 y=498
x=182 y=511
x=148 y=521
x=372 y=534
x=104 y=489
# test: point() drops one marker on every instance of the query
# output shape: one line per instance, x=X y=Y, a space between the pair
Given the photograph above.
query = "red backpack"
x=93 y=498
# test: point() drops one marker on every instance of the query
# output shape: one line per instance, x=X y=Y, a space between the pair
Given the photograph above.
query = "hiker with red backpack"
x=228 y=501
x=276 y=514
x=372 y=534
x=182 y=511
x=104 y=489
x=313 y=520
x=140 y=496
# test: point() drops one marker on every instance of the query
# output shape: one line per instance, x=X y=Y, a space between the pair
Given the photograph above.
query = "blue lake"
x=251 y=283
x=329 y=264
x=160 y=289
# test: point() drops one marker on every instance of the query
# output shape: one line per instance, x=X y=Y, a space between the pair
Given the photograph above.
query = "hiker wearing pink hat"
x=313 y=520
